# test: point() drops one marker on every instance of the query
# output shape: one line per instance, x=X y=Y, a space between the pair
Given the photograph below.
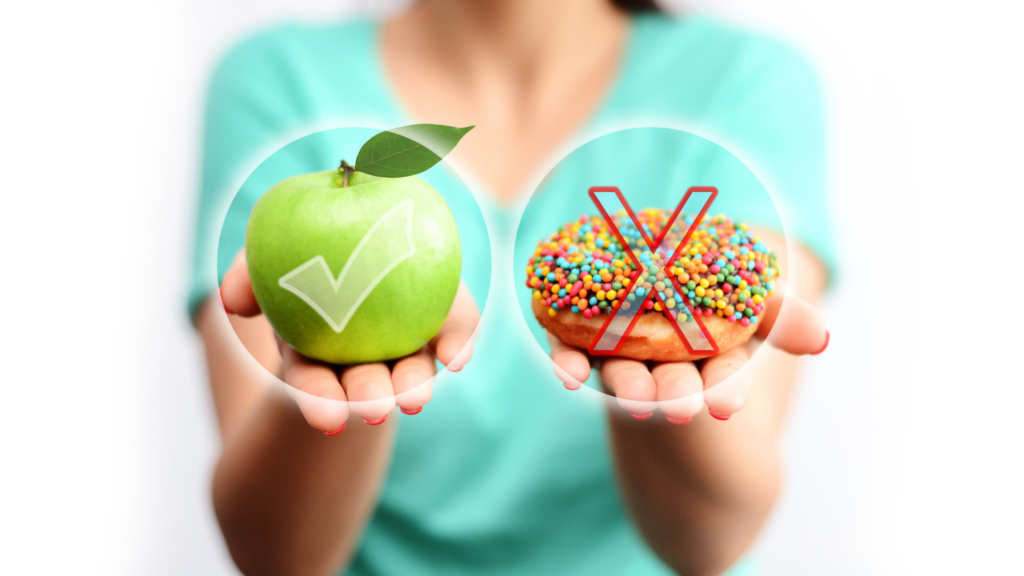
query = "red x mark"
x=612 y=335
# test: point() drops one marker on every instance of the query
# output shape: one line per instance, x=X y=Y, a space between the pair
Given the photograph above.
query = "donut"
x=580 y=274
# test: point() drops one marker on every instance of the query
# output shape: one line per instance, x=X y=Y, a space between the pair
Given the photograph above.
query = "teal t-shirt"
x=505 y=471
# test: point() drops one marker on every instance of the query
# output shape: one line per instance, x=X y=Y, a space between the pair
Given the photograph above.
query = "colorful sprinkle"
x=723 y=269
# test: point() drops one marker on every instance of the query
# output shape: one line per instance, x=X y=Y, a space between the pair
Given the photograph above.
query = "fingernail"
x=827 y=337
x=571 y=385
x=717 y=417
x=226 y=309
x=409 y=412
x=454 y=368
x=376 y=422
x=641 y=416
x=340 y=430
x=678 y=420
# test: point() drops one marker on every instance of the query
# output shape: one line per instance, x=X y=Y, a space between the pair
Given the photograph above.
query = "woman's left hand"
x=681 y=389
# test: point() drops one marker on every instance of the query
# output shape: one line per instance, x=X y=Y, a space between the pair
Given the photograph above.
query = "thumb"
x=236 y=289
x=793 y=325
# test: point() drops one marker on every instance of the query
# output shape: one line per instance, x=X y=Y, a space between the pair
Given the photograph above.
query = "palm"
x=681 y=389
x=326 y=394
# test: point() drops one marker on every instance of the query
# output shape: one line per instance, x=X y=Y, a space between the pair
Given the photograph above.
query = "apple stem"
x=346 y=170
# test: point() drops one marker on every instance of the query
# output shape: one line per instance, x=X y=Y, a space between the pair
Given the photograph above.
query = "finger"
x=316 y=390
x=571 y=365
x=632 y=384
x=727 y=382
x=369 y=390
x=453 y=345
x=680 y=390
x=413 y=381
x=793 y=325
x=236 y=289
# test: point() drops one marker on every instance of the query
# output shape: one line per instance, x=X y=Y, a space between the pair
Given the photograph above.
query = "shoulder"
x=699 y=72
x=297 y=73
x=293 y=47
x=700 y=49
x=677 y=38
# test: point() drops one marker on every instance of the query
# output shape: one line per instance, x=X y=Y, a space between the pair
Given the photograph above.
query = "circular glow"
x=394 y=235
x=672 y=162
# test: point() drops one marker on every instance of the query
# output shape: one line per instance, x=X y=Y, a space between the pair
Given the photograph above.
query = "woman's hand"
x=681 y=389
x=326 y=393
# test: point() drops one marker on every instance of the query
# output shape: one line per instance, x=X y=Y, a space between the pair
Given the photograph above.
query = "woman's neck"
x=527 y=73
x=521 y=38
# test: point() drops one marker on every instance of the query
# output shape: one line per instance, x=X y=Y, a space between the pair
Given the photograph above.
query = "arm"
x=291 y=499
x=701 y=492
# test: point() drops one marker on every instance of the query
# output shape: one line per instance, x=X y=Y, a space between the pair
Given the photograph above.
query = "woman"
x=503 y=472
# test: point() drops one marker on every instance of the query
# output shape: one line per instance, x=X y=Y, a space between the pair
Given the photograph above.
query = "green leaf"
x=408 y=150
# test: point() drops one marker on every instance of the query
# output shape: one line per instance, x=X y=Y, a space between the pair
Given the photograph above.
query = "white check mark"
x=336 y=300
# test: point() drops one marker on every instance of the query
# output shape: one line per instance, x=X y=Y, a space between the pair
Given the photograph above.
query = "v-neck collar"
x=589 y=127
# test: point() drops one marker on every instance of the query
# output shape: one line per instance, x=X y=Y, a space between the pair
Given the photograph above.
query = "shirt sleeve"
x=775 y=102
x=246 y=110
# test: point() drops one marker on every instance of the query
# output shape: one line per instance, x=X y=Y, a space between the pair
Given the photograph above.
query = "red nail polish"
x=571 y=386
x=717 y=417
x=226 y=309
x=827 y=337
x=340 y=430
x=376 y=422
x=410 y=412
x=679 y=420
x=641 y=416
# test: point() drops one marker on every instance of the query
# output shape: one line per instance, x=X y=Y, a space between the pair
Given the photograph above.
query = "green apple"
x=351 y=268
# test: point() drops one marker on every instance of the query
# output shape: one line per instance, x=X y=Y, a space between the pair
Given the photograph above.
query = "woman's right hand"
x=326 y=393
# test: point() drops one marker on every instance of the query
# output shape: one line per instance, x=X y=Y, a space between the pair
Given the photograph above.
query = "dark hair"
x=638 y=5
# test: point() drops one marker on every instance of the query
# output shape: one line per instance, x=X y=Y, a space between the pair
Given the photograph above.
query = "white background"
x=904 y=445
